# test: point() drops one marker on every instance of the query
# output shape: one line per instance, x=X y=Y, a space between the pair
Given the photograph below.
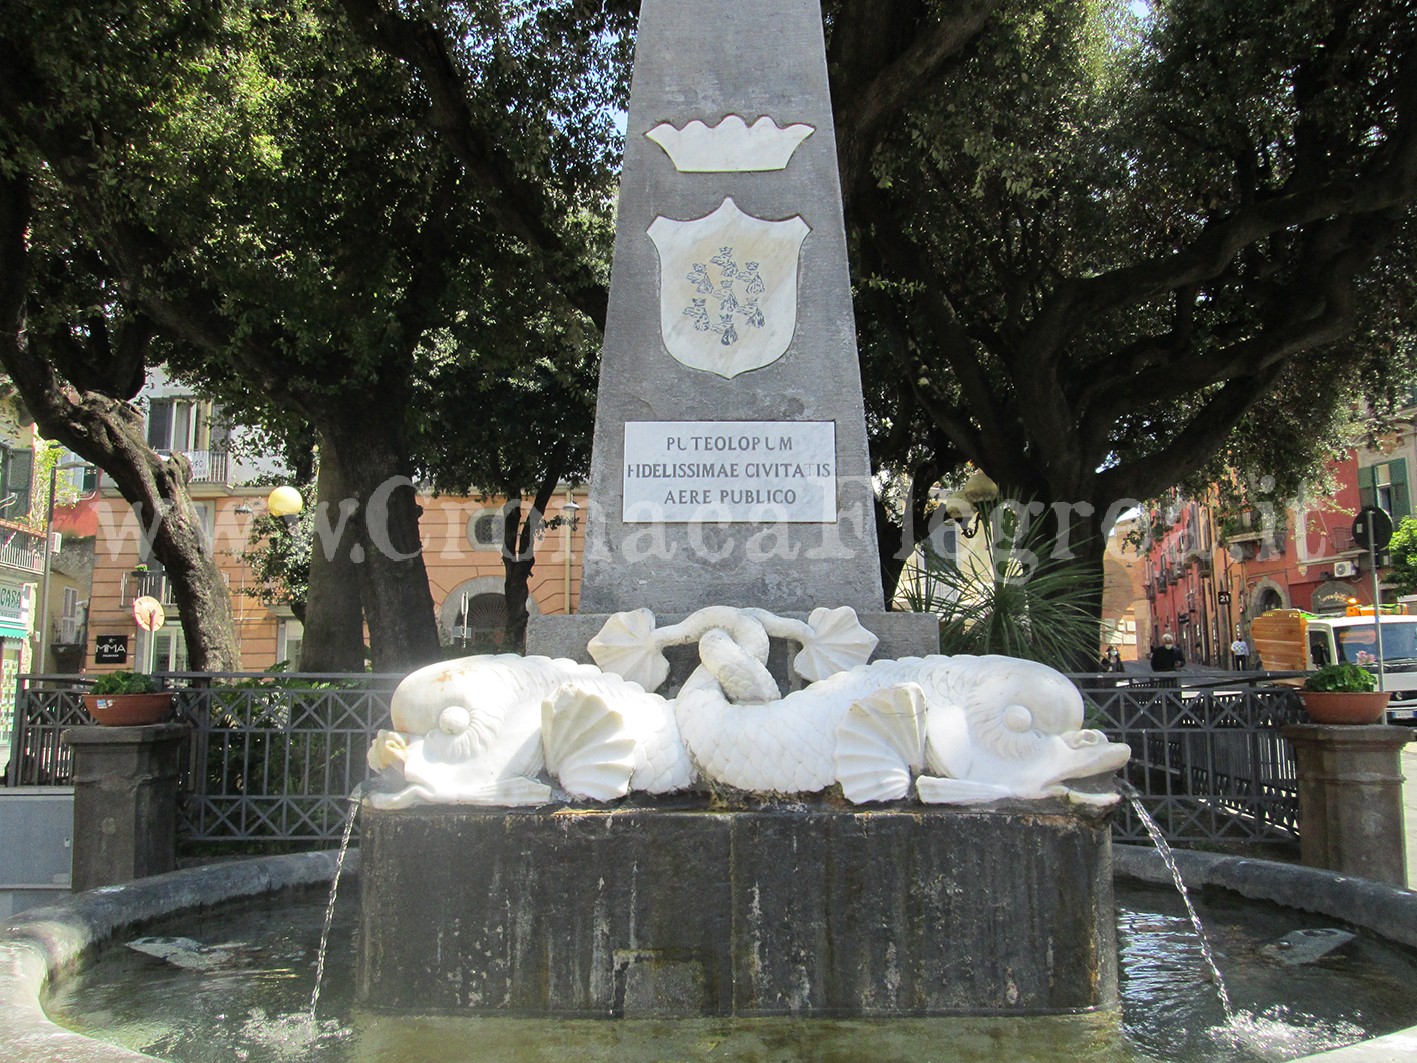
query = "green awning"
x=12 y=631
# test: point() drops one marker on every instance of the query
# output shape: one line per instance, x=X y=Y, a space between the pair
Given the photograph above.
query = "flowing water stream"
x=350 y=817
x=1162 y=847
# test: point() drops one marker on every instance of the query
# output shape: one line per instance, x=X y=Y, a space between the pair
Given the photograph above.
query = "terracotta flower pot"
x=1336 y=706
x=129 y=710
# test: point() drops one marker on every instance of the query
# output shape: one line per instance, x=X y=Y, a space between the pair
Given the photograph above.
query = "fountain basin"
x=44 y=944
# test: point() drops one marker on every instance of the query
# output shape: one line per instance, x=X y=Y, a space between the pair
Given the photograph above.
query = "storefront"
x=15 y=620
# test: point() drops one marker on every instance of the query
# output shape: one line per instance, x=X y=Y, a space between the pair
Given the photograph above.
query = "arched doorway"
x=474 y=616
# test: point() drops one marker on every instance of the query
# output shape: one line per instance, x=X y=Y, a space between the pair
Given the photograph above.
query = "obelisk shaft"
x=730 y=463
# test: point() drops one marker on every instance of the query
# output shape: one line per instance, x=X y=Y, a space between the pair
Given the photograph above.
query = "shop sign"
x=1331 y=597
x=111 y=649
x=14 y=605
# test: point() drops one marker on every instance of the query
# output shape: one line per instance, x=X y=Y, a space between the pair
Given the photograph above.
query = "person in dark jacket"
x=1166 y=657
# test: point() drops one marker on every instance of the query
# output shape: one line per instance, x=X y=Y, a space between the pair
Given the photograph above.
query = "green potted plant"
x=127 y=699
x=1344 y=693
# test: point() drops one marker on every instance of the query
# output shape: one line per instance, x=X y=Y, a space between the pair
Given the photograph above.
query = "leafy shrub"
x=1341 y=678
x=1016 y=596
x=125 y=683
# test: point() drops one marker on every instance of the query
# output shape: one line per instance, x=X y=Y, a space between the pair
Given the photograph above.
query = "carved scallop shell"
x=626 y=645
x=880 y=742
x=588 y=745
x=838 y=642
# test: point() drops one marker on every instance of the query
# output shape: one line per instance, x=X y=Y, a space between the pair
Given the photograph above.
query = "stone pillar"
x=1350 y=799
x=125 y=801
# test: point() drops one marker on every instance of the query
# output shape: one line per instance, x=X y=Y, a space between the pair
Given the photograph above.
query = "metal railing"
x=67 y=631
x=273 y=756
x=208 y=466
x=23 y=550
x=45 y=706
x=147 y=584
x=1208 y=757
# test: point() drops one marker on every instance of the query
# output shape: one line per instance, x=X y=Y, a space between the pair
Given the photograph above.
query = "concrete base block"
x=125 y=802
x=783 y=909
x=1350 y=799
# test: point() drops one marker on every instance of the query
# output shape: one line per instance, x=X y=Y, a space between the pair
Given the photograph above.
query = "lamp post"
x=48 y=538
x=962 y=506
x=569 y=506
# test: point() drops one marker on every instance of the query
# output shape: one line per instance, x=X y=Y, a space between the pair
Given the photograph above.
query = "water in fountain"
x=1162 y=847
x=254 y=1007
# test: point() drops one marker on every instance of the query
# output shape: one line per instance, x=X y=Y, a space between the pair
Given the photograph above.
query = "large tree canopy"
x=278 y=199
x=1093 y=251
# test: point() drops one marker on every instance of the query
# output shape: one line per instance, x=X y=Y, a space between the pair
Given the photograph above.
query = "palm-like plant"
x=1011 y=595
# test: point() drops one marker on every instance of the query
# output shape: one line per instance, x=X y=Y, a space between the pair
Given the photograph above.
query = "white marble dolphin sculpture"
x=480 y=730
x=962 y=730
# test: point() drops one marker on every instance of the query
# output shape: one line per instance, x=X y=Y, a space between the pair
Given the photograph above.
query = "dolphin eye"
x=454 y=720
x=1018 y=719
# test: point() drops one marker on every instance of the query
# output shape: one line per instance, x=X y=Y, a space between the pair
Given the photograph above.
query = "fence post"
x=1350 y=798
x=125 y=801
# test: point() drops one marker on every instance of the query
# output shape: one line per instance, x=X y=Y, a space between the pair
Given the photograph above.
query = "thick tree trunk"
x=110 y=433
x=154 y=485
x=334 y=618
x=519 y=538
x=374 y=462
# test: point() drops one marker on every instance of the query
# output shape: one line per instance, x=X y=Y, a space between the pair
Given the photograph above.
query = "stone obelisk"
x=730 y=462
x=730 y=468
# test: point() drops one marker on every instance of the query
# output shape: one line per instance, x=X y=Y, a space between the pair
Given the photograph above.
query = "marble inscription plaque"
x=730 y=472
x=728 y=288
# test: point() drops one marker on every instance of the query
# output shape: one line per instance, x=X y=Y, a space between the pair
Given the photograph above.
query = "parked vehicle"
x=1291 y=640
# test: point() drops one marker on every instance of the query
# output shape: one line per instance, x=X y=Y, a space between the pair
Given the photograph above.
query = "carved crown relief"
x=732 y=146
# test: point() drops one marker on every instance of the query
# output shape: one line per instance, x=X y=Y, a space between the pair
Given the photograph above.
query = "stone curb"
x=40 y=944
x=1388 y=911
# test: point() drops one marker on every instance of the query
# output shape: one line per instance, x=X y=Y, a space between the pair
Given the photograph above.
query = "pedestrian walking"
x=1166 y=657
x=1240 y=649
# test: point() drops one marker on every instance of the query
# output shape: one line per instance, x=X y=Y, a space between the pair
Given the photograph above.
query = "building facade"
x=1209 y=572
x=461 y=541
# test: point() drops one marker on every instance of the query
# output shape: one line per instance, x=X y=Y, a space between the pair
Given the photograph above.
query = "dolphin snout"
x=1084 y=739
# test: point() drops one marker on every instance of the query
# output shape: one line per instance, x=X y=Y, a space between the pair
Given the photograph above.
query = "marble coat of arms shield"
x=728 y=288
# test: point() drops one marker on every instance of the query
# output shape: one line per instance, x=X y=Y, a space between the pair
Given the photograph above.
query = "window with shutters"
x=1384 y=485
x=181 y=424
x=16 y=482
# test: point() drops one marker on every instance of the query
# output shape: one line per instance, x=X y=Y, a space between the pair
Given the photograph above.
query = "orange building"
x=461 y=550
x=461 y=541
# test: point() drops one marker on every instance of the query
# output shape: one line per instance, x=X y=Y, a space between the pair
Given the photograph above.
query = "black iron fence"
x=1208 y=757
x=272 y=757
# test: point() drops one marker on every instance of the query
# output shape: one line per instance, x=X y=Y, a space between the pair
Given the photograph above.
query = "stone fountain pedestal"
x=685 y=910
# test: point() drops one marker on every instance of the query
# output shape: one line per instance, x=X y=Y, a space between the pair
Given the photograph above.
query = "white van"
x=1292 y=640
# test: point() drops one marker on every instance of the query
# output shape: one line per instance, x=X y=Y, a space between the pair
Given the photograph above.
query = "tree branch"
x=512 y=200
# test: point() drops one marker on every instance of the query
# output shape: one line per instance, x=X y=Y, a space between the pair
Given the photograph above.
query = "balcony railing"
x=147 y=584
x=23 y=550
x=68 y=631
x=208 y=466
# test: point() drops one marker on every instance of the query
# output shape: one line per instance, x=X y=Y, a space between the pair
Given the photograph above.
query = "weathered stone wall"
x=784 y=909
